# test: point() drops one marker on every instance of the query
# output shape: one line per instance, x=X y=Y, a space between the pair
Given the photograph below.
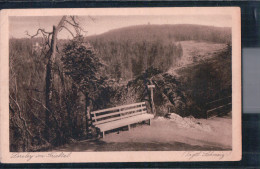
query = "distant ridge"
x=178 y=32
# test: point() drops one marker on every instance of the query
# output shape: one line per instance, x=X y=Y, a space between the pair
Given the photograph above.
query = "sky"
x=94 y=25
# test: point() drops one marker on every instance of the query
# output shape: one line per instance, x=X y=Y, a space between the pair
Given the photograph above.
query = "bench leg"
x=129 y=128
x=150 y=122
x=103 y=134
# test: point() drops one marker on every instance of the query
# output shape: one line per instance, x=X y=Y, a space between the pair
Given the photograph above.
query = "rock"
x=175 y=117
x=160 y=118
x=189 y=122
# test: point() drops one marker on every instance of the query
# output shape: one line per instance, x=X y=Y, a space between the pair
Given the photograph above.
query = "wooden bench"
x=116 y=117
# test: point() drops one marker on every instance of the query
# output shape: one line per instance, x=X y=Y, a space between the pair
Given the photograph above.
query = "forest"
x=137 y=48
x=51 y=97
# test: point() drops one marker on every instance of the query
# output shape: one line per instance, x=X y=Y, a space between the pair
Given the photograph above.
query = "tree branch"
x=61 y=23
x=38 y=118
x=56 y=121
x=70 y=23
x=20 y=116
x=68 y=31
x=37 y=33
x=92 y=18
x=76 y=25
x=40 y=104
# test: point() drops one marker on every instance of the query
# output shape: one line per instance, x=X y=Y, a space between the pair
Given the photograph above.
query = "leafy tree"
x=84 y=68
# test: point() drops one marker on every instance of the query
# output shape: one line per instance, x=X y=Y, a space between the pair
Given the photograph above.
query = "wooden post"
x=152 y=103
x=119 y=110
x=95 y=117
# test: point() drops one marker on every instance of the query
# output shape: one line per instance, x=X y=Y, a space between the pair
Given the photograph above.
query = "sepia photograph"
x=121 y=83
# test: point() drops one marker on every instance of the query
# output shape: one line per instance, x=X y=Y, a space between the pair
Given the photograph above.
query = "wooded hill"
x=130 y=51
x=178 y=32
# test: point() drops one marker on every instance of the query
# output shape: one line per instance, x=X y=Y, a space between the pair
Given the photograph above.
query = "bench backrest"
x=117 y=113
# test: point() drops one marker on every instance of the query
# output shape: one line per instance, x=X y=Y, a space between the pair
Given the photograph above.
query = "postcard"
x=120 y=85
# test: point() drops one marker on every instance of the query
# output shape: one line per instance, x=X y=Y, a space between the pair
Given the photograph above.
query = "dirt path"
x=163 y=135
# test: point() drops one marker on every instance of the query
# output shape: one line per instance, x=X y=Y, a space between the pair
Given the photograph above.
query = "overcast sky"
x=100 y=24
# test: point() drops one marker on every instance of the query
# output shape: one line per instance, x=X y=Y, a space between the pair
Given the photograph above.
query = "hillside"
x=194 y=52
x=134 y=49
x=180 y=32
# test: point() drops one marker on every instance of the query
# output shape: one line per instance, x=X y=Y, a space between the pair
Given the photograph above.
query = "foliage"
x=83 y=66
x=169 y=97
x=167 y=94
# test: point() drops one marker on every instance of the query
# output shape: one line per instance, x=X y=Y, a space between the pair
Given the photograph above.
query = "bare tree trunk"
x=49 y=75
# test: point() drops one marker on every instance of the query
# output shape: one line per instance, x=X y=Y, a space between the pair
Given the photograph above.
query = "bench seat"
x=120 y=116
x=124 y=122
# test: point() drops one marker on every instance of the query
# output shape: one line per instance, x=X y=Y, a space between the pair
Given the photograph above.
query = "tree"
x=84 y=68
x=69 y=24
x=49 y=72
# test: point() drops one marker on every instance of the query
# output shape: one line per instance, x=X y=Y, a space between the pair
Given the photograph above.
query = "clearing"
x=194 y=51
